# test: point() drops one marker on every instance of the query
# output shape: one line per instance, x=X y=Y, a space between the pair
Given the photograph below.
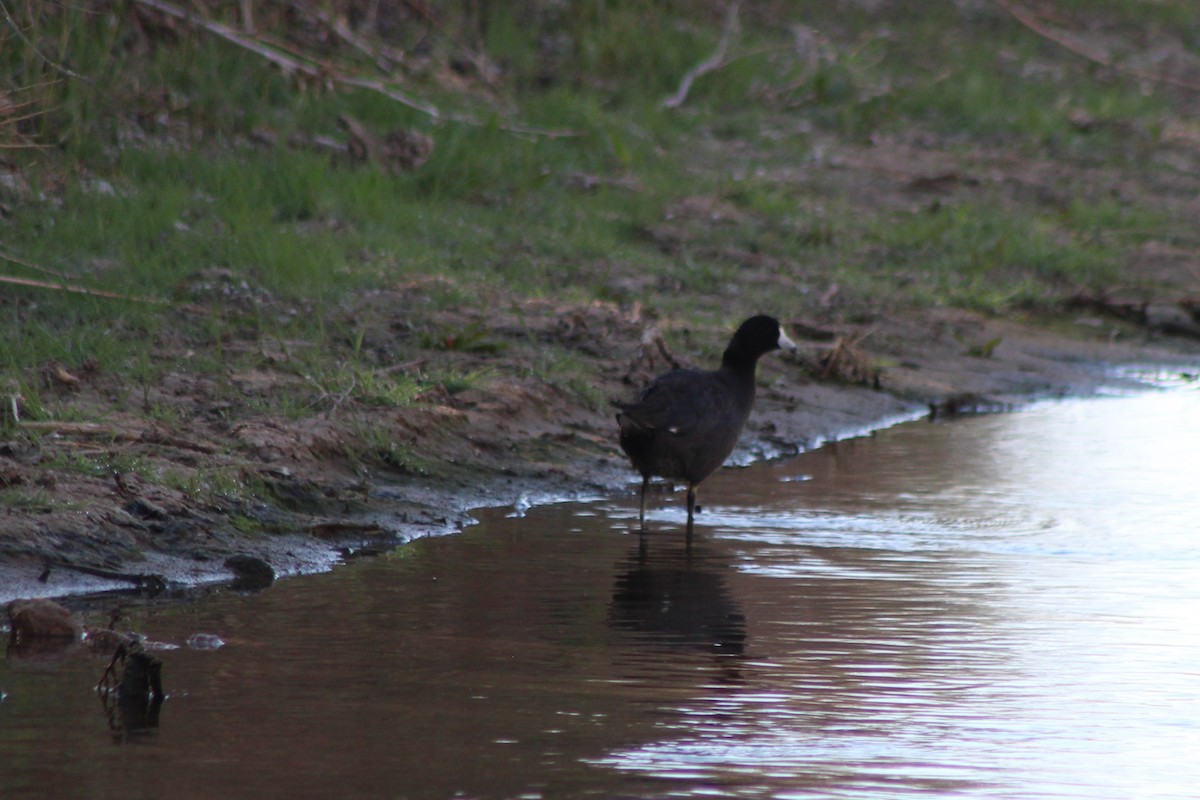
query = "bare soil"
x=302 y=491
x=176 y=475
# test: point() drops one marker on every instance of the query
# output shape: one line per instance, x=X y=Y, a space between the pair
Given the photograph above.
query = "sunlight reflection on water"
x=1016 y=611
x=1000 y=606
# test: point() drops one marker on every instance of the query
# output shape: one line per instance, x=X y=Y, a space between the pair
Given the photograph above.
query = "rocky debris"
x=1173 y=318
x=42 y=619
x=250 y=572
x=401 y=150
x=345 y=467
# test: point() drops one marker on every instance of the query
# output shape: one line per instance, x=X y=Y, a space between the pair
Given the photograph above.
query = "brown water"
x=1003 y=606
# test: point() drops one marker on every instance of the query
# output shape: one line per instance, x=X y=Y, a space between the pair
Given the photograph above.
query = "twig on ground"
x=325 y=396
x=322 y=73
x=384 y=56
x=72 y=288
x=404 y=366
x=54 y=65
x=147 y=582
x=30 y=265
x=75 y=289
x=847 y=362
x=710 y=64
x=285 y=62
x=1030 y=21
x=152 y=435
x=392 y=93
x=12 y=114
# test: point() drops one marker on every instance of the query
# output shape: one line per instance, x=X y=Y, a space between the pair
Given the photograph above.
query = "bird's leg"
x=691 y=505
x=642 y=511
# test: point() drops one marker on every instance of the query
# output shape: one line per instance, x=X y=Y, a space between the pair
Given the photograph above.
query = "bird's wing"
x=679 y=402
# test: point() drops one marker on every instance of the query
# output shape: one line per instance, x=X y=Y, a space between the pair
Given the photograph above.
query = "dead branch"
x=383 y=56
x=404 y=366
x=75 y=289
x=645 y=363
x=54 y=65
x=319 y=73
x=846 y=361
x=30 y=265
x=288 y=64
x=150 y=435
x=1030 y=21
x=711 y=64
x=149 y=583
x=392 y=93
x=14 y=108
x=13 y=114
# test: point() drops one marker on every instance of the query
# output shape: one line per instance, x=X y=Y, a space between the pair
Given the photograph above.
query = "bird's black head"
x=754 y=337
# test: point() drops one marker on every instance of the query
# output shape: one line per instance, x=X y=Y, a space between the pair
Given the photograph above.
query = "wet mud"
x=303 y=492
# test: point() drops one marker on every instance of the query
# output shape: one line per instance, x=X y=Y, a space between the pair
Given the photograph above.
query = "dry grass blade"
x=20 y=34
x=1030 y=21
x=392 y=93
x=30 y=265
x=295 y=64
x=151 y=434
x=710 y=64
x=76 y=289
x=12 y=114
x=847 y=362
x=383 y=55
x=285 y=62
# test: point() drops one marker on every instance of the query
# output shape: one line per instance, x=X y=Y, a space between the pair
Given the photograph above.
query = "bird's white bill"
x=785 y=343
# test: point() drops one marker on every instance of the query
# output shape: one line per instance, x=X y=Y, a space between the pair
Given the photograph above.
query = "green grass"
x=99 y=466
x=211 y=485
x=154 y=179
x=991 y=258
x=35 y=501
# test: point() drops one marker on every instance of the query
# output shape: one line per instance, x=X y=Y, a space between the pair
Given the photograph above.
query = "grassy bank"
x=178 y=204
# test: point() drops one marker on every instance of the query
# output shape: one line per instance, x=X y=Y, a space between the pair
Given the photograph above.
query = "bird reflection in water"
x=676 y=598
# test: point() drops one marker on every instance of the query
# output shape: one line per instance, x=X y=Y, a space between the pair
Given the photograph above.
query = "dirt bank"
x=215 y=472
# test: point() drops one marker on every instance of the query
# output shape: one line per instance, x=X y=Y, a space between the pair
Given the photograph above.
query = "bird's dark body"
x=685 y=424
x=687 y=421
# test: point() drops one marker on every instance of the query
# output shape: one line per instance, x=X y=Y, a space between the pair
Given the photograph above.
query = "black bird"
x=687 y=421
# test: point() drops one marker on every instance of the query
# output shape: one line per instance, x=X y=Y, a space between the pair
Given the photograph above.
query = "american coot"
x=687 y=421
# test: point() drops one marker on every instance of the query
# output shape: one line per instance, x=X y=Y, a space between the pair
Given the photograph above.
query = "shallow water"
x=1003 y=606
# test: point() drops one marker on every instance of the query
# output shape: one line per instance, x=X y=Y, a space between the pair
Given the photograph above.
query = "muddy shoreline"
x=305 y=503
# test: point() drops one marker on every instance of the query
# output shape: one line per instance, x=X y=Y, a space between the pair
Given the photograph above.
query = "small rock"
x=250 y=572
x=105 y=641
x=1172 y=319
x=144 y=509
x=205 y=641
x=42 y=619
